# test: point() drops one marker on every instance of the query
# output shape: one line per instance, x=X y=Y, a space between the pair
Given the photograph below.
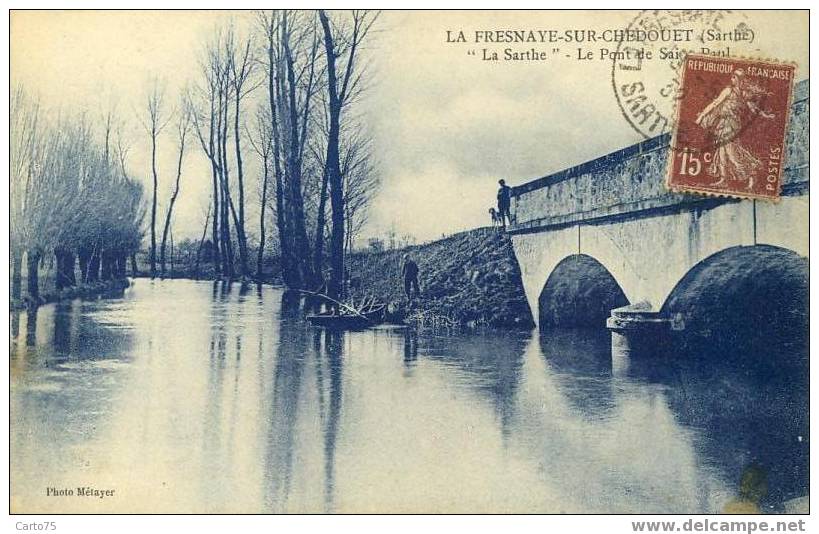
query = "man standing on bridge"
x=504 y=202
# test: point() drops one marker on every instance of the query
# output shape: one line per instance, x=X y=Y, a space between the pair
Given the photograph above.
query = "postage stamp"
x=729 y=134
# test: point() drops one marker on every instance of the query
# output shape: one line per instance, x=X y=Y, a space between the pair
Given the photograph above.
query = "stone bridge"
x=615 y=212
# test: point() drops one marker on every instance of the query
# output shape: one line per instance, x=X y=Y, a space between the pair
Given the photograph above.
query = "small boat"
x=349 y=319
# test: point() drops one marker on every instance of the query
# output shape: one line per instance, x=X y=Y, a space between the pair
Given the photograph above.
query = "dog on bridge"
x=496 y=217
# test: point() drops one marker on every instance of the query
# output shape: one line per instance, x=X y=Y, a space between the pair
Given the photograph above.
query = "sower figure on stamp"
x=724 y=118
x=409 y=272
x=504 y=202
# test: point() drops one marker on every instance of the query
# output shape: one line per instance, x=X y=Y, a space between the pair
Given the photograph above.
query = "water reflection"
x=747 y=416
x=291 y=351
x=31 y=327
x=60 y=394
x=410 y=346
x=196 y=397
x=748 y=410
x=330 y=354
x=490 y=364
x=62 y=327
x=580 y=358
x=15 y=325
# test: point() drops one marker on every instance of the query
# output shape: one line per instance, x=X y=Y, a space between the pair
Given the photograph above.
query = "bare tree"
x=68 y=198
x=183 y=127
x=263 y=146
x=293 y=80
x=202 y=242
x=242 y=62
x=205 y=116
x=157 y=120
x=342 y=40
x=23 y=136
x=210 y=121
x=361 y=181
x=271 y=27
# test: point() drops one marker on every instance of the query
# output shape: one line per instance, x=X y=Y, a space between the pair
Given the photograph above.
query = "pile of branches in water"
x=350 y=307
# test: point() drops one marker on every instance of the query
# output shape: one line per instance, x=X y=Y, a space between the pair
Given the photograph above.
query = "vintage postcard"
x=348 y=262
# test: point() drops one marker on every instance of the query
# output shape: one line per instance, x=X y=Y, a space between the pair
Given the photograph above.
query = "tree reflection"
x=331 y=356
x=62 y=327
x=291 y=349
x=15 y=325
x=31 y=327
x=494 y=360
x=410 y=346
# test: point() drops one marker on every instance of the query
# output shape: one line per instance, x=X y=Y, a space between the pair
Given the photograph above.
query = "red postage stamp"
x=729 y=134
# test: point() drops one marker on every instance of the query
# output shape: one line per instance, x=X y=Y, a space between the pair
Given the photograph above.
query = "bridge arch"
x=747 y=298
x=579 y=292
x=650 y=255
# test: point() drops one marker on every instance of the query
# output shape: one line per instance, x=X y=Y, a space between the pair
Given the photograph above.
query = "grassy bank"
x=471 y=278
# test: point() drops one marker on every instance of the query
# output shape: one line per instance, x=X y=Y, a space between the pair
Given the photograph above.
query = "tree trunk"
x=240 y=238
x=165 y=230
x=337 y=214
x=260 y=254
x=224 y=175
x=321 y=221
x=290 y=274
x=240 y=224
x=333 y=166
x=122 y=262
x=215 y=229
x=107 y=258
x=287 y=261
x=153 y=204
x=227 y=245
x=201 y=242
x=64 y=277
x=70 y=263
x=172 y=202
x=33 y=265
x=16 y=274
x=85 y=259
x=172 y=255
x=93 y=274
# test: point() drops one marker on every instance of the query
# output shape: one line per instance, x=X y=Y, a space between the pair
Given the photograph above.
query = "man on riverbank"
x=409 y=272
x=504 y=202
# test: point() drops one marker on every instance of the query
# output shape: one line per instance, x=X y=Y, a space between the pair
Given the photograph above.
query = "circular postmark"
x=646 y=67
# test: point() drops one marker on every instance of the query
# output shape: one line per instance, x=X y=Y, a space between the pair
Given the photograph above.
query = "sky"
x=446 y=125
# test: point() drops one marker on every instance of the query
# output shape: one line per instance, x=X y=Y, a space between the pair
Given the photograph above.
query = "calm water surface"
x=188 y=397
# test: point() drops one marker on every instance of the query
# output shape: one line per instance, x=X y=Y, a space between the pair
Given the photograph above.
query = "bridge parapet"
x=632 y=180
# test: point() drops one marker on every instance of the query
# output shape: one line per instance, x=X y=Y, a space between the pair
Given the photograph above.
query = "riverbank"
x=471 y=278
x=93 y=289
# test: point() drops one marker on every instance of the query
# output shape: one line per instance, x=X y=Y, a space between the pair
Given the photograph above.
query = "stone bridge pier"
x=607 y=242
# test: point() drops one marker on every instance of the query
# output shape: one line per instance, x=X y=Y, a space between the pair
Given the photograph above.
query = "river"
x=186 y=396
